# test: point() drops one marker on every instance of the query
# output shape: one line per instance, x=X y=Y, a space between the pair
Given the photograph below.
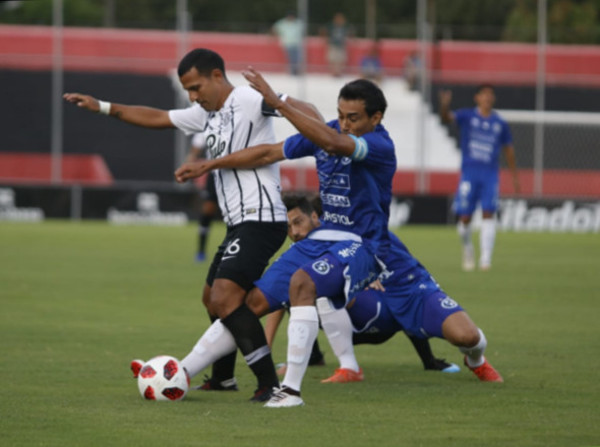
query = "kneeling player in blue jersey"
x=412 y=301
x=368 y=328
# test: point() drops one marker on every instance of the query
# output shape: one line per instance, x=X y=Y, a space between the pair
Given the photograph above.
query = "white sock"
x=474 y=355
x=338 y=329
x=464 y=231
x=303 y=328
x=487 y=238
x=216 y=342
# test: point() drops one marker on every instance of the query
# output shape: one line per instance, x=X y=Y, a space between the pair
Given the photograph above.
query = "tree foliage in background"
x=569 y=21
x=39 y=12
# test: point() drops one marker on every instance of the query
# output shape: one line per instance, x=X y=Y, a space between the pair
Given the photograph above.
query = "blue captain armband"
x=361 y=148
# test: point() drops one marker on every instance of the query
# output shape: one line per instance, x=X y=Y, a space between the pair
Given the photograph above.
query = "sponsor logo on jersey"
x=448 y=303
x=336 y=180
x=321 y=267
x=337 y=218
x=215 y=146
x=335 y=200
x=340 y=181
x=321 y=155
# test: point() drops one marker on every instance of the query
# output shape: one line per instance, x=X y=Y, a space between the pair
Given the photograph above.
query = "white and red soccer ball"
x=163 y=378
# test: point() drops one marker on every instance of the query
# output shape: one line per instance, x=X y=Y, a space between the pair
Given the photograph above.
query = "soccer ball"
x=163 y=378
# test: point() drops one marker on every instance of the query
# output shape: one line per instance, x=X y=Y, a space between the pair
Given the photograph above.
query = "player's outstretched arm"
x=312 y=128
x=138 y=115
x=445 y=98
x=251 y=157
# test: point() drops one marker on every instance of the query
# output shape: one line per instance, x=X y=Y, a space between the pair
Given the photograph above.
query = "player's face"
x=485 y=99
x=353 y=118
x=300 y=224
x=205 y=90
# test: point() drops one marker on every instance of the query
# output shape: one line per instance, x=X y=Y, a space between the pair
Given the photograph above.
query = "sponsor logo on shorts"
x=321 y=267
x=448 y=303
x=349 y=251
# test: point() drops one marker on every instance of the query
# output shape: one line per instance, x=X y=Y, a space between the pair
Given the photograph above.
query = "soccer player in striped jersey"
x=355 y=162
x=231 y=118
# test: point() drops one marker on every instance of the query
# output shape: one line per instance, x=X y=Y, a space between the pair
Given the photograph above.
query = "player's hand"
x=445 y=97
x=191 y=170
x=258 y=83
x=377 y=285
x=84 y=101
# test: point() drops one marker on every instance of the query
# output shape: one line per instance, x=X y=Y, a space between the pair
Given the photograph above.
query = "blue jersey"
x=481 y=138
x=355 y=191
x=398 y=259
x=412 y=301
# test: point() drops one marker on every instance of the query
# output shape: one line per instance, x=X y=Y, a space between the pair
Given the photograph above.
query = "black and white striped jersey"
x=244 y=194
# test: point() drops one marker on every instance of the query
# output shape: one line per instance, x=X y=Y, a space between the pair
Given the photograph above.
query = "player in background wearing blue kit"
x=483 y=133
x=355 y=163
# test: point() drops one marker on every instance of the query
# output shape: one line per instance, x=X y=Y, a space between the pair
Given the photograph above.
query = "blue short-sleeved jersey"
x=355 y=191
x=481 y=138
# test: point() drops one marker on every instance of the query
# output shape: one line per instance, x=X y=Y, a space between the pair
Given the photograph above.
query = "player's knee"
x=467 y=336
x=225 y=297
x=257 y=303
x=302 y=289
x=459 y=330
x=206 y=300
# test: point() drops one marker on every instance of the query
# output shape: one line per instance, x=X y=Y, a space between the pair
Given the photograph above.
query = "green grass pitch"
x=80 y=300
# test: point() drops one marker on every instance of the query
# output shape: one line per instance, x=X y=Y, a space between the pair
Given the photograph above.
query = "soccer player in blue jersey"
x=369 y=324
x=483 y=134
x=356 y=163
x=412 y=302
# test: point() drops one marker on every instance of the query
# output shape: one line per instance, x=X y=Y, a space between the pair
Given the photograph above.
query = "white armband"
x=104 y=107
x=283 y=97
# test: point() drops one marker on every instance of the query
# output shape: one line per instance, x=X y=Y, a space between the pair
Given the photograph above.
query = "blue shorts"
x=412 y=302
x=339 y=270
x=476 y=186
x=369 y=313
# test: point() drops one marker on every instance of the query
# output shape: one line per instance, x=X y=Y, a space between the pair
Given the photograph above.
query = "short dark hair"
x=203 y=60
x=304 y=203
x=367 y=91
x=484 y=86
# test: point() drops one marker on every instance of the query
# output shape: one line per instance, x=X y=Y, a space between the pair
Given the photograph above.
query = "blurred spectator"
x=289 y=31
x=370 y=64
x=411 y=70
x=337 y=32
